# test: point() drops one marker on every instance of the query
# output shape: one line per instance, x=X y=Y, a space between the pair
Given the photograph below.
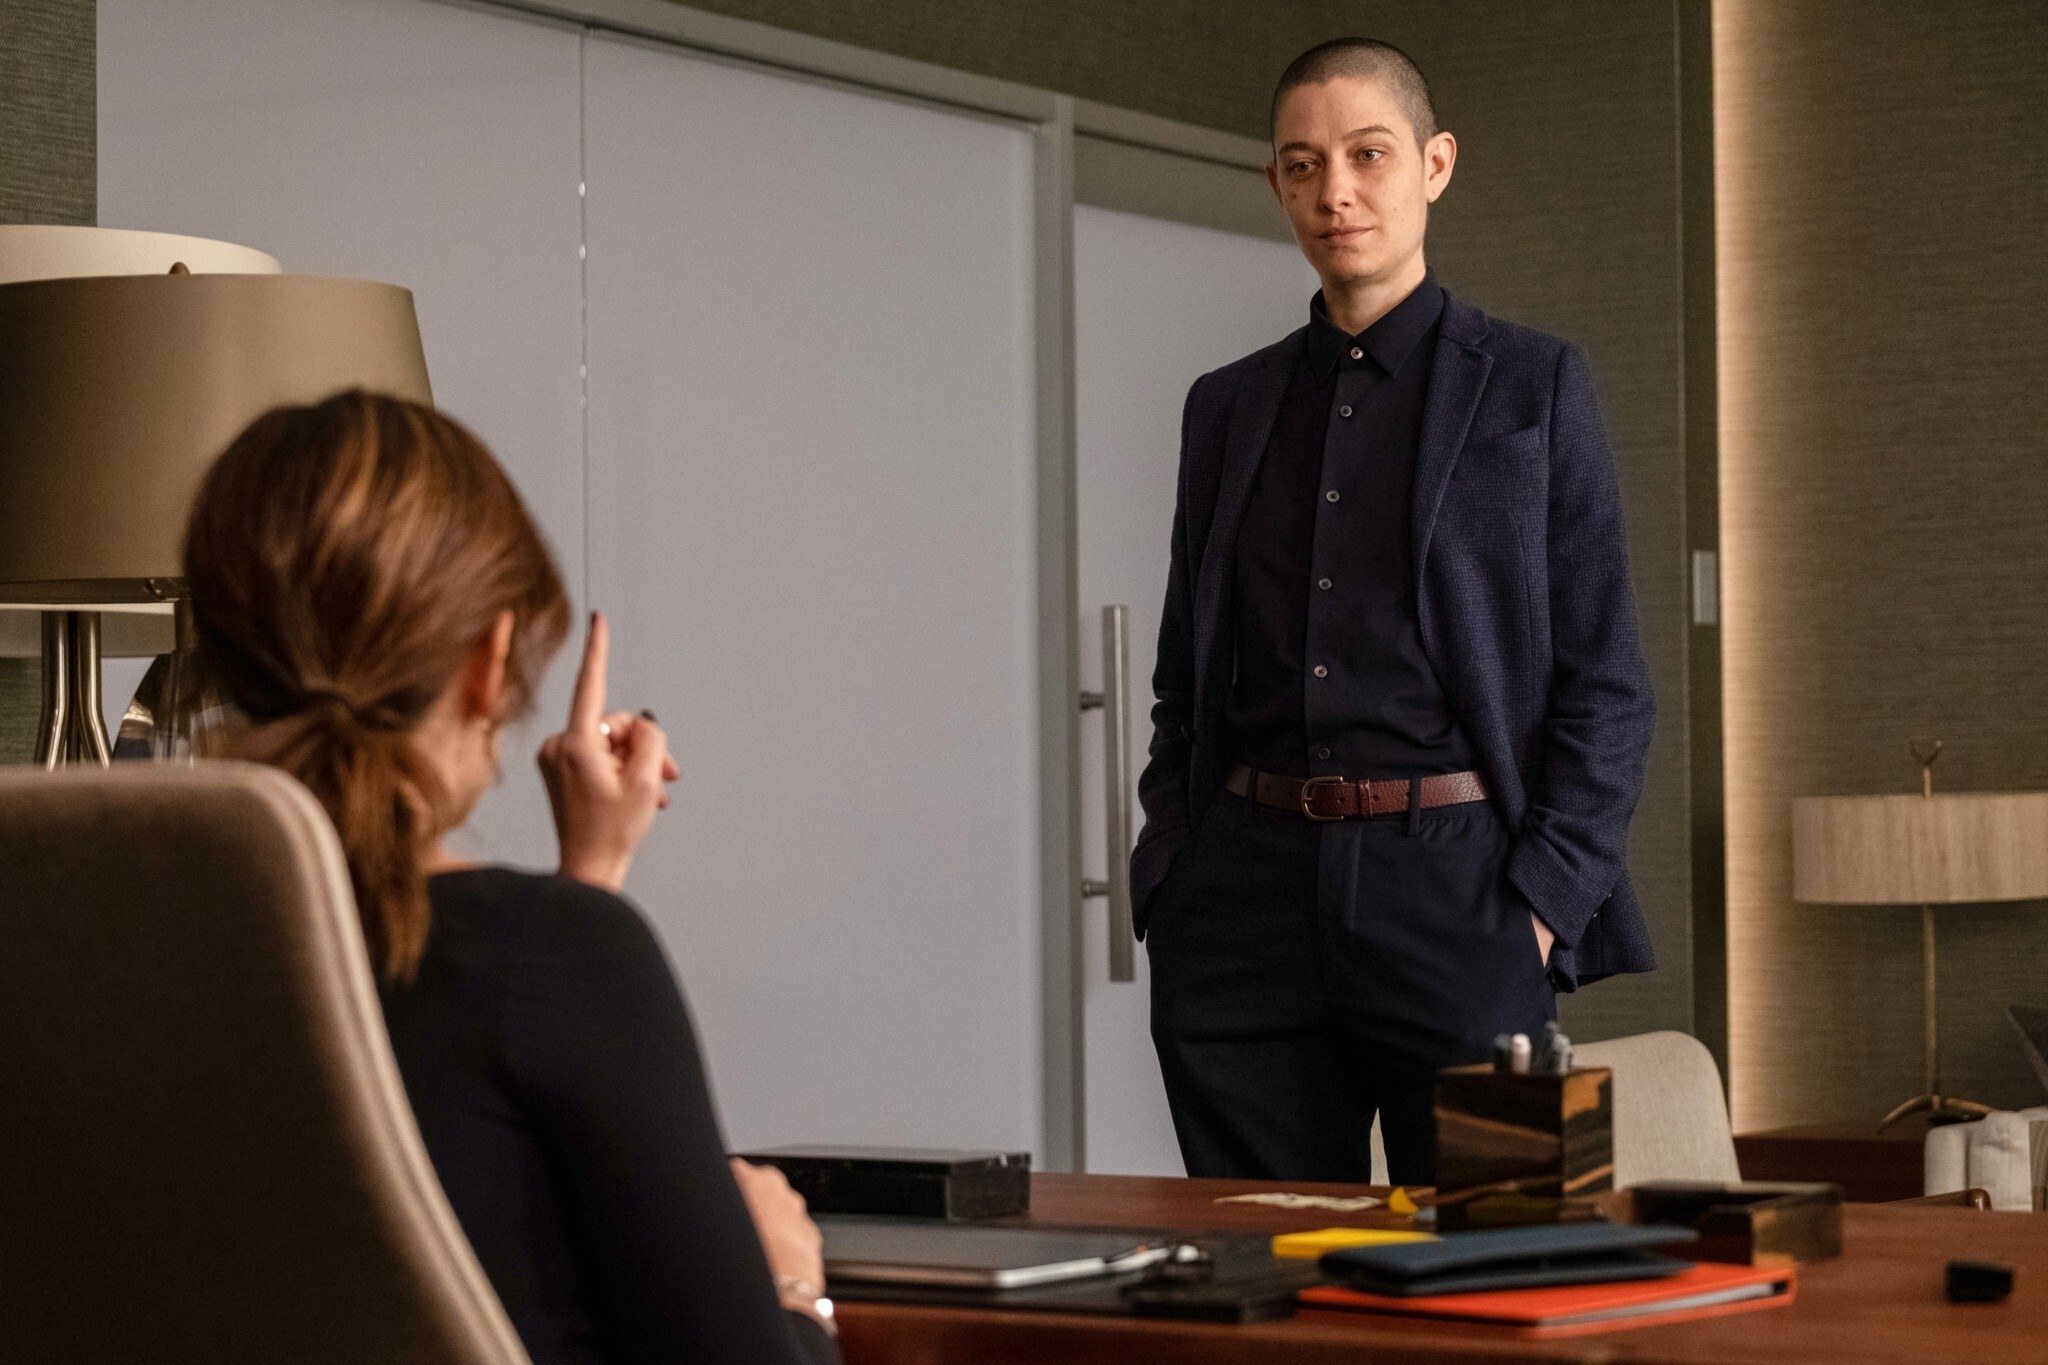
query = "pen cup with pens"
x=1526 y=1139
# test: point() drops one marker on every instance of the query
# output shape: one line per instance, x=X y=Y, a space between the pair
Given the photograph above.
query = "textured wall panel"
x=47 y=107
x=1883 y=200
x=1564 y=215
x=47 y=175
x=20 y=681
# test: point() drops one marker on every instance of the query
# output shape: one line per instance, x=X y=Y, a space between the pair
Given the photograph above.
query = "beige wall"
x=1883 y=206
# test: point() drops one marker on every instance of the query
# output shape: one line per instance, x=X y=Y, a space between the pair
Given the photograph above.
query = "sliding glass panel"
x=1156 y=305
x=812 y=520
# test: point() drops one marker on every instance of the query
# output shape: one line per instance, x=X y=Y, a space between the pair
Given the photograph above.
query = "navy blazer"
x=1525 y=607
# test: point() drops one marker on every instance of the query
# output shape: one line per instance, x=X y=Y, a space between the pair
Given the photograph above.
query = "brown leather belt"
x=1338 y=798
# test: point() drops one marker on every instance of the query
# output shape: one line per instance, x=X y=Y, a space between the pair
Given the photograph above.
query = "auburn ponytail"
x=342 y=560
x=383 y=800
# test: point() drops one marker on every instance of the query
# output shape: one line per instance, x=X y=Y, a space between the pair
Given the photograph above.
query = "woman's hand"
x=606 y=775
x=795 y=1247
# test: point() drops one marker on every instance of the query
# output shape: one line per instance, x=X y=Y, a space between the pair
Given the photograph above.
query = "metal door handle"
x=1115 y=701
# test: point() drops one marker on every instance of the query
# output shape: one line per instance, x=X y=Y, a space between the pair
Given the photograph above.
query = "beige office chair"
x=206 y=1153
x=1670 y=1117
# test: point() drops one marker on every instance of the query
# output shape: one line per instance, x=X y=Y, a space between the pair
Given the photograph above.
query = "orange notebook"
x=1704 y=1291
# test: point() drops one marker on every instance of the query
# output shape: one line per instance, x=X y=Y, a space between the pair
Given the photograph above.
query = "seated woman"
x=373 y=598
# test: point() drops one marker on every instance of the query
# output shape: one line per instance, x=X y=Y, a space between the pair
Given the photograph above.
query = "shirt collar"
x=1387 y=343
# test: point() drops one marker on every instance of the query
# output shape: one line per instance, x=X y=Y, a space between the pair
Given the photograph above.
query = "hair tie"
x=363 y=718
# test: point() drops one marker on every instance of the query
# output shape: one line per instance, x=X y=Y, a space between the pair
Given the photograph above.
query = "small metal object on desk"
x=1555 y=1056
x=1518 y=1053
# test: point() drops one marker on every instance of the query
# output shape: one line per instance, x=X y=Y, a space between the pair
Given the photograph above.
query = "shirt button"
x=1323 y=583
x=1330 y=496
x=1344 y=411
x=1323 y=752
x=1322 y=672
x=1357 y=353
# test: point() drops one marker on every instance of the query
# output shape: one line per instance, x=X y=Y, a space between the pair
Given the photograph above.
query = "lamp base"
x=1939 y=1109
x=71 y=729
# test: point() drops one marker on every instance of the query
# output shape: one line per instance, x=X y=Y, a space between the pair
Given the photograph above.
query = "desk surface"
x=1880 y=1302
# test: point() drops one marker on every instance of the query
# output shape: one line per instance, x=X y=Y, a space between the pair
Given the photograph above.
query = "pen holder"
x=1522 y=1147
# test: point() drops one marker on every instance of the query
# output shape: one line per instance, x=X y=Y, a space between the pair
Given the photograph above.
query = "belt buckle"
x=1307 y=795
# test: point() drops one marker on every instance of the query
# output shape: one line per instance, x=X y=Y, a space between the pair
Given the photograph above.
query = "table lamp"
x=125 y=629
x=1925 y=850
x=116 y=394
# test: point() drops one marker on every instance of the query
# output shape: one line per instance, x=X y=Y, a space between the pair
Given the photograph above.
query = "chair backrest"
x=1670 y=1117
x=1993 y=1154
x=206 y=1152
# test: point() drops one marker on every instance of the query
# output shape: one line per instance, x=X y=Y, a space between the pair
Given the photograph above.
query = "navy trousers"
x=1306 y=976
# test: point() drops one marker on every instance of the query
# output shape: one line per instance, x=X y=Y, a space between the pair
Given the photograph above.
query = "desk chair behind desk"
x=1670 y=1115
x=206 y=1152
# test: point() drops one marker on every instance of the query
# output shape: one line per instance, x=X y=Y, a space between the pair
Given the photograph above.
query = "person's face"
x=1355 y=186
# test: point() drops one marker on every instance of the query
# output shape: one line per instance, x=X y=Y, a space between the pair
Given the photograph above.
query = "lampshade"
x=42 y=251
x=117 y=393
x=38 y=251
x=1915 y=850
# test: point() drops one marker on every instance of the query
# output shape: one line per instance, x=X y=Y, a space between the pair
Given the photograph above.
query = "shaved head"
x=1363 y=59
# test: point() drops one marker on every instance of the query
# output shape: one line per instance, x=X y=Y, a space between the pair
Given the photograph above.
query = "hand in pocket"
x=1544 y=938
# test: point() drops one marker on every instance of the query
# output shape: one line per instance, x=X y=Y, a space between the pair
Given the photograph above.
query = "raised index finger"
x=586 y=707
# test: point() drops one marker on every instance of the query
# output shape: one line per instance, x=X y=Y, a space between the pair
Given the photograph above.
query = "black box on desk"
x=1517 y=1147
x=1751 y=1223
x=905 y=1181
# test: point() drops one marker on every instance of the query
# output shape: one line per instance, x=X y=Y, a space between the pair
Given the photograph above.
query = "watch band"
x=799 y=1295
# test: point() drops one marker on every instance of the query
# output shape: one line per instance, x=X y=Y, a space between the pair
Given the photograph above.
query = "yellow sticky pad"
x=1307 y=1246
x=1399 y=1202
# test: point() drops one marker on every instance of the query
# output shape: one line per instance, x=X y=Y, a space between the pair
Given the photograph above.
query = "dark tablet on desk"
x=1511 y=1258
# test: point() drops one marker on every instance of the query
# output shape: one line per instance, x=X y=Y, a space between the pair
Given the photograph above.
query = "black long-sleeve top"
x=1332 y=679
x=555 y=1075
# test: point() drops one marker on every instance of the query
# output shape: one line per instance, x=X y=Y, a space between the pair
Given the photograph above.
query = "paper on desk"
x=1286 y=1200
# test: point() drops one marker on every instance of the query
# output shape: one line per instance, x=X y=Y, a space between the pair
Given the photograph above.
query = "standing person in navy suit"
x=1402 y=707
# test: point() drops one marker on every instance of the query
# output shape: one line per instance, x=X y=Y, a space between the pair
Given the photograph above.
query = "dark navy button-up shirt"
x=1331 y=675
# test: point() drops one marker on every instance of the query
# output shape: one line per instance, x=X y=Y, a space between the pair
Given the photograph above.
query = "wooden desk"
x=1880 y=1303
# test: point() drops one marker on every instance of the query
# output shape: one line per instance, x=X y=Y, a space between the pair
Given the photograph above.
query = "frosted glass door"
x=812 y=521
x=426 y=145
x=1156 y=305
